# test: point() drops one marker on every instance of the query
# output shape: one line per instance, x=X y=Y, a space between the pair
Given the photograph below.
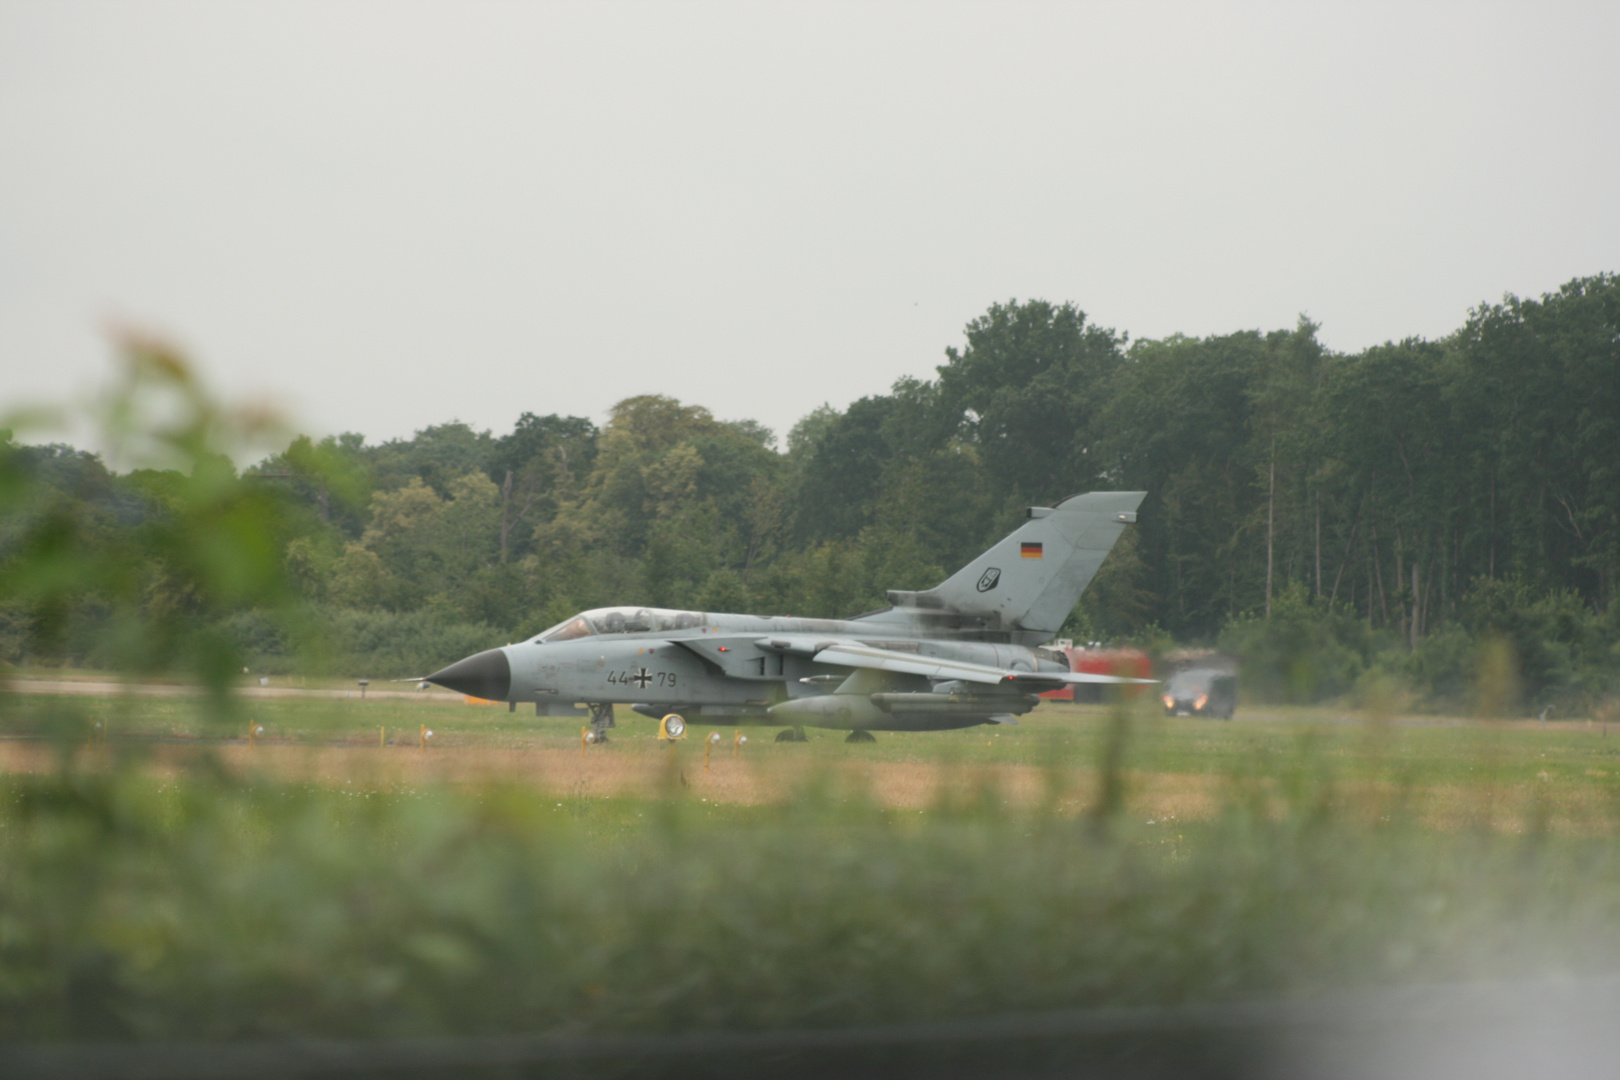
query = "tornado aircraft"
x=965 y=652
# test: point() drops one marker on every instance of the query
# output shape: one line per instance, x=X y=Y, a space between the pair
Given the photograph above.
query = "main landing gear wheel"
x=860 y=736
x=792 y=734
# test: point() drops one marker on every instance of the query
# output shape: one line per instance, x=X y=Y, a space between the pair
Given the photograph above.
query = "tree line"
x=1333 y=514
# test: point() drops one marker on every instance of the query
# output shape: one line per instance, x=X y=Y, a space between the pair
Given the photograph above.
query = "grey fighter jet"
x=965 y=652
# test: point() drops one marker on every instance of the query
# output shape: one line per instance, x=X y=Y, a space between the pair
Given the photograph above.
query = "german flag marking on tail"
x=1030 y=551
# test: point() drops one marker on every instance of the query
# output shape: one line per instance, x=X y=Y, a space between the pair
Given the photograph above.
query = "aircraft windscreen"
x=1192 y=682
x=567 y=630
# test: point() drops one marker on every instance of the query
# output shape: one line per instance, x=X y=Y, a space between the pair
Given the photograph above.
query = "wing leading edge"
x=850 y=654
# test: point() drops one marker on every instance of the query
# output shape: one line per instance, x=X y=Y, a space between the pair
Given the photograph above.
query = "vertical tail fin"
x=1032 y=579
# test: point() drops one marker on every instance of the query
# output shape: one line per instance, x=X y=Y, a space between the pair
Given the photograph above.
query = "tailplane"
x=1029 y=582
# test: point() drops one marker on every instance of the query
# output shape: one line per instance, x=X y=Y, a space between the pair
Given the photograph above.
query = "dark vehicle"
x=1201 y=692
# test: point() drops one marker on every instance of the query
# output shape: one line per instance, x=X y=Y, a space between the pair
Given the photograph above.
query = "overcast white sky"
x=389 y=215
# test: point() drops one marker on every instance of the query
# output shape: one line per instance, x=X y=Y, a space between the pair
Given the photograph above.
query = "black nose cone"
x=484 y=675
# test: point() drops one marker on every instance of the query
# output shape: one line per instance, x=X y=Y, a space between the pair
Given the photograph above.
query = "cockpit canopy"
x=621 y=620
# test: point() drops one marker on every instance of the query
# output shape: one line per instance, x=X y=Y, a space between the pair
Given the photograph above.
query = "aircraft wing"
x=850 y=654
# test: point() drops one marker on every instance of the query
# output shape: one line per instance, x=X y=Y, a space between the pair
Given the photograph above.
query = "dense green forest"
x=1335 y=519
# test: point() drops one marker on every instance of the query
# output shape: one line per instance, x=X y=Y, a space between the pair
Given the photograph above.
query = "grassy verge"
x=315 y=885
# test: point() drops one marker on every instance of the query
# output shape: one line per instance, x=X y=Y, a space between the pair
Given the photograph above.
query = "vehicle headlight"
x=1203 y=699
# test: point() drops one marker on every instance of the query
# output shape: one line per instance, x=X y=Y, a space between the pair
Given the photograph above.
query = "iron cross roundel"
x=641 y=679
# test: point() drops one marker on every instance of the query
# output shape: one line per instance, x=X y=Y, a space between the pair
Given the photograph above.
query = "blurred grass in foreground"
x=203 y=905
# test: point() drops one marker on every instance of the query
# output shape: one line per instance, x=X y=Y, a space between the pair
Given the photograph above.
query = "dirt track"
x=636 y=772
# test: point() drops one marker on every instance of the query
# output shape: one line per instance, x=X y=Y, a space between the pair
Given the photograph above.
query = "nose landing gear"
x=601 y=720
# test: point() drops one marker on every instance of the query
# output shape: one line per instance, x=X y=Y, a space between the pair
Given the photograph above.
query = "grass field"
x=171 y=882
x=1446 y=772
